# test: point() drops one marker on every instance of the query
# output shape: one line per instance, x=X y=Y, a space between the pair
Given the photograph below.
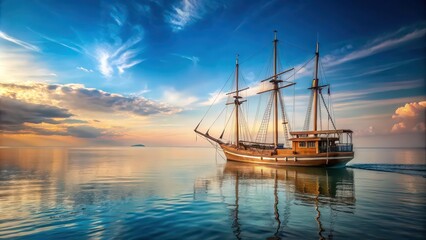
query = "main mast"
x=315 y=87
x=237 y=103
x=275 y=82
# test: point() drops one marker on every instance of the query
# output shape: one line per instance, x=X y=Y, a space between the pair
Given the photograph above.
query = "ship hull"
x=267 y=157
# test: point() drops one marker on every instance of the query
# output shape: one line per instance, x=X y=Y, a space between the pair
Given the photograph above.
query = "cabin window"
x=302 y=144
x=311 y=144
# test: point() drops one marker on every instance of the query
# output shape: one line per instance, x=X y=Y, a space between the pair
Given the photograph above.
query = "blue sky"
x=161 y=60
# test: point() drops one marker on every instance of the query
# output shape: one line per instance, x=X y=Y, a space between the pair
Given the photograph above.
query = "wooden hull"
x=287 y=158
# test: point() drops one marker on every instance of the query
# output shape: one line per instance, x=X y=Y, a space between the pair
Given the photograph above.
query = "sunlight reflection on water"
x=186 y=193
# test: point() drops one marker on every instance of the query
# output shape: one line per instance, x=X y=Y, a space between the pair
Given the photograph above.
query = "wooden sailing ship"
x=319 y=148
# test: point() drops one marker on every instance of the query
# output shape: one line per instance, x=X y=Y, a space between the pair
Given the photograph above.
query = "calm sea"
x=192 y=193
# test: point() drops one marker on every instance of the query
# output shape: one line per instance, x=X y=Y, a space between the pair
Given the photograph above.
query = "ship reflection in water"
x=183 y=193
x=257 y=194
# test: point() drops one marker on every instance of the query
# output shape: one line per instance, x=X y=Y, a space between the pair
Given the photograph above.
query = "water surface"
x=192 y=193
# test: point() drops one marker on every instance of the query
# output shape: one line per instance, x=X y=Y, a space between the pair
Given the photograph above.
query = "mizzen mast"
x=275 y=82
x=237 y=104
x=316 y=88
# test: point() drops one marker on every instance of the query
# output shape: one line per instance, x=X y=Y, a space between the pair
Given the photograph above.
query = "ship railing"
x=341 y=147
x=257 y=145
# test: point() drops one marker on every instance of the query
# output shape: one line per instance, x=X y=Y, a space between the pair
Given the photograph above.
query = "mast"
x=315 y=87
x=275 y=82
x=237 y=103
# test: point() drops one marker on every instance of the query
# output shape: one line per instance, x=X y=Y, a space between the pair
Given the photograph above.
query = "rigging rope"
x=254 y=54
x=294 y=98
x=319 y=111
x=215 y=99
x=257 y=114
x=286 y=124
x=297 y=46
x=244 y=129
x=330 y=101
x=300 y=68
x=216 y=119
x=221 y=135
x=263 y=130
x=308 y=112
x=332 y=122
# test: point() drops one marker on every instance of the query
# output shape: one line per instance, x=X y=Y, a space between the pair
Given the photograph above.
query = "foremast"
x=237 y=102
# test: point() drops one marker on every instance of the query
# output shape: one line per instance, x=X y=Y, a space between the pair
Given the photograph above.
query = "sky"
x=117 y=73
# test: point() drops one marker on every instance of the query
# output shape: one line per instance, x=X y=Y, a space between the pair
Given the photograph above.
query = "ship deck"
x=286 y=157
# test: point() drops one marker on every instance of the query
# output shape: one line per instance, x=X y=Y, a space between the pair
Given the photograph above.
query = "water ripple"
x=410 y=169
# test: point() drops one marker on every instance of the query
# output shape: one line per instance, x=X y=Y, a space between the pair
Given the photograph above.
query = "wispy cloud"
x=72 y=46
x=253 y=14
x=193 y=59
x=21 y=43
x=141 y=92
x=84 y=69
x=378 y=45
x=188 y=12
x=119 y=14
x=381 y=68
x=368 y=104
x=116 y=56
x=368 y=90
x=117 y=51
x=183 y=14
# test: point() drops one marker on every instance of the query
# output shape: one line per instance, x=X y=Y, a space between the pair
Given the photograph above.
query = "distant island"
x=138 y=145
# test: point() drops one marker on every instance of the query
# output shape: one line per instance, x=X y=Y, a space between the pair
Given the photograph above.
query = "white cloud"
x=214 y=98
x=253 y=89
x=21 y=43
x=18 y=65
x=180 y=99
x=104 y=66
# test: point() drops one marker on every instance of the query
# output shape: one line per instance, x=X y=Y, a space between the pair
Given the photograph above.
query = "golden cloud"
x=67 y=110
x=410 y=117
